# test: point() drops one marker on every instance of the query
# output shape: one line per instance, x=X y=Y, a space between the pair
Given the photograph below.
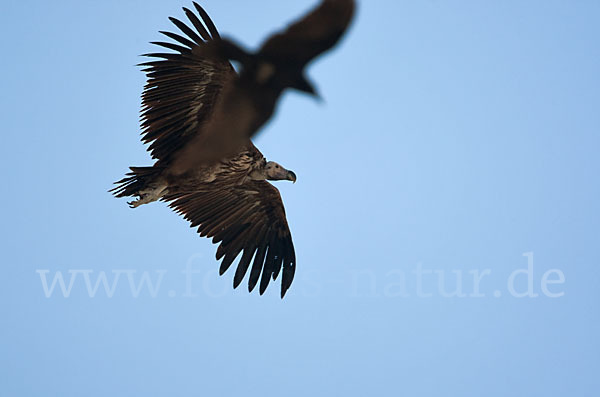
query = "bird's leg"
x=148 y=196
x=144 y=199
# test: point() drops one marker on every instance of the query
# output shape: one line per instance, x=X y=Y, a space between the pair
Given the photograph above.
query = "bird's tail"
x=135 y=181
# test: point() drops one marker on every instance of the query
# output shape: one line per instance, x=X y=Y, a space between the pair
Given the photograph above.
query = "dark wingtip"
x=284 y=288
x=209 y=23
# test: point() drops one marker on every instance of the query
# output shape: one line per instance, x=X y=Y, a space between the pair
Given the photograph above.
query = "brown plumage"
x=198 y=116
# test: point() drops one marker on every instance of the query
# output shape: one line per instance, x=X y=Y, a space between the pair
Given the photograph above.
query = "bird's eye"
x=276 y=166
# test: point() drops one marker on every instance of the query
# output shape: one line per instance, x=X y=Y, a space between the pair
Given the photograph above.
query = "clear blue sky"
x=457 y=139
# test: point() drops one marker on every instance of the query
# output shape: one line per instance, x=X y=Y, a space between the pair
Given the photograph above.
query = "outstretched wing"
x=182 y=86
x=246 y=218
x=312 y=35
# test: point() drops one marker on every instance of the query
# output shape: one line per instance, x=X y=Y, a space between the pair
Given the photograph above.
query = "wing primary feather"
x=209 y=23
x=284 y=256
x=225 y=245
x=240 y=241
x=226 y=235
x=197 y=24
x=228 y=260
x=288 y=276
x=185 y=29
x=171 y=46
x=221 y=250
x=257 y=266
x=273 y=257
x=174 y=36
x=242 y=267
x=164 y=55
x=288 y=256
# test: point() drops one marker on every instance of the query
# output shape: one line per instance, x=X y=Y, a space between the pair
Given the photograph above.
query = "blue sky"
x=458 y=140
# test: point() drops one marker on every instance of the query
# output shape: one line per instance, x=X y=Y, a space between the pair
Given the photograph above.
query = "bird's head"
x=276 y=172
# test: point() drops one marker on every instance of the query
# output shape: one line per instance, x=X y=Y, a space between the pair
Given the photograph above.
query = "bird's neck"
x=259 y=172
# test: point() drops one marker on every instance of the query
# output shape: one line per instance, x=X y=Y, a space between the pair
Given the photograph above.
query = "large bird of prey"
x=198 y=115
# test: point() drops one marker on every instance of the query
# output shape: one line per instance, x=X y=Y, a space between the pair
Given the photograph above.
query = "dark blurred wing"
x=182 y=86
x=247 y=219
x=312 y=35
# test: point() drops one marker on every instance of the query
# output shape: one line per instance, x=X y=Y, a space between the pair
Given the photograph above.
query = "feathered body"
x=198 y=116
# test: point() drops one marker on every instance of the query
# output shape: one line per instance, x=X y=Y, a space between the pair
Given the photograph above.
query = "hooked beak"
x=291 y=176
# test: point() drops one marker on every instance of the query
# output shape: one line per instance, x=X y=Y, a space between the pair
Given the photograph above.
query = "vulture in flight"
x=198 y=115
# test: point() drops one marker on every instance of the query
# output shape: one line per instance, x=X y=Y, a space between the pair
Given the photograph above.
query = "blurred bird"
x=198 y=115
